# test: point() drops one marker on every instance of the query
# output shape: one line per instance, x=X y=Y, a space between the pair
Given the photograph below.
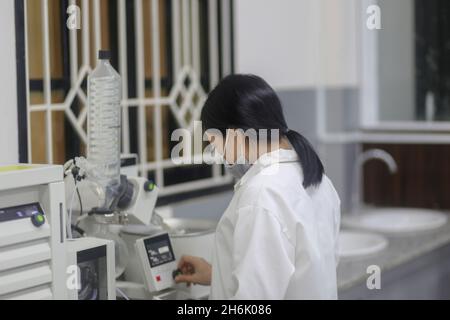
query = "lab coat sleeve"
x=337 y=225
x=262 y=267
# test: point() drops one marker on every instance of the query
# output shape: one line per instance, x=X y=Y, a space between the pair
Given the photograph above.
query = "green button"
x=149 y=186
x=38 y=219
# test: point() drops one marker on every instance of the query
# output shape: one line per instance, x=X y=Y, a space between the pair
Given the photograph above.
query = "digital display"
x=159 y=250
x=20 y=212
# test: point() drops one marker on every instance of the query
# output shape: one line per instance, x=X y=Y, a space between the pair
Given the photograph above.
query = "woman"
x=277 y=239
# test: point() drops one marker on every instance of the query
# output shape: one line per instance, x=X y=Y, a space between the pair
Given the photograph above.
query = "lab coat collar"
x=266 y=160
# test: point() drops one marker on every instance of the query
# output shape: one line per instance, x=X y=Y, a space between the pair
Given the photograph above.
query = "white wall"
x=8 y=92
x=279 y=40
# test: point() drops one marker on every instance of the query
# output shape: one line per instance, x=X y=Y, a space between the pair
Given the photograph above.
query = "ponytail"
x=309 y=160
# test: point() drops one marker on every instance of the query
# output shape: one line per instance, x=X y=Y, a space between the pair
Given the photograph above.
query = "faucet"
x=356 y=187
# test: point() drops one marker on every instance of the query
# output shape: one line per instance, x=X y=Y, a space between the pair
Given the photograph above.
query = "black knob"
x=176 y=273
x=37 y=219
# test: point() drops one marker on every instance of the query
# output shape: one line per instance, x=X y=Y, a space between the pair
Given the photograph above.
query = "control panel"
x=157 y=260
x=32 y=211
x=32 y=232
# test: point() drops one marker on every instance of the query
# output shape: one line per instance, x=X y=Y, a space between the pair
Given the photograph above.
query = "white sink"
x=354 y=244
x=394 y=221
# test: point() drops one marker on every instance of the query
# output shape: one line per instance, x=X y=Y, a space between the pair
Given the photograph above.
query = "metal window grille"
x=200 y=42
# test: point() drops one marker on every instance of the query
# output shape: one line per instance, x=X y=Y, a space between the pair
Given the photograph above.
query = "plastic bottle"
x=104 y=125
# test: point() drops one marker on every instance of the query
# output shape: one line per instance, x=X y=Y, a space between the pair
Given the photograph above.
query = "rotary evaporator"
x=105 y=204
x=87 y=231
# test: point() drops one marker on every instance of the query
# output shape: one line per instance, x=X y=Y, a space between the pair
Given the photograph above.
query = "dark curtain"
x=432 y=28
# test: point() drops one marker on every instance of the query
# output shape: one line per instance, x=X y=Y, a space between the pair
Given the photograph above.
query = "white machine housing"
x=32 y=255
x=99 y=252
x=157 y=260
x=129 y=164
x=139 y=211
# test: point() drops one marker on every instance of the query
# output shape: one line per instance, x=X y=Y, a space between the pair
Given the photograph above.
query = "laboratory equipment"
x=129 y=165
x=128 y=222
x=104 y=124
x=103 y=201
x=110 y=231
x=187 y=237
x=157 y=260
x=91 y=263
x=134 y=205
x=130 y=234
x=132 y=208
x=32 y=233
x=134 y=202
x=193 y=237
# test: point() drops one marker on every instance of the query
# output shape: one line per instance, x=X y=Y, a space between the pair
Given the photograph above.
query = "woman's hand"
x=194 y=270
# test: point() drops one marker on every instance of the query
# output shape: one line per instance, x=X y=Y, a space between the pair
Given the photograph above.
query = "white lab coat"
x=277 y=240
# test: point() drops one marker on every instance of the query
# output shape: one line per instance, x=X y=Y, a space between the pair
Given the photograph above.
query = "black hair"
x=245 y=101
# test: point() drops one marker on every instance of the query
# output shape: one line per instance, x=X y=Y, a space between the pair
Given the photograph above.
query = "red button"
x=158 y=278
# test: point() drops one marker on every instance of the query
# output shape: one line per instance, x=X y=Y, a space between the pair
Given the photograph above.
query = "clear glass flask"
x=104 y=126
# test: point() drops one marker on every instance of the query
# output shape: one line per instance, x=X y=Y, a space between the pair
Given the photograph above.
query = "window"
x=432 y=54
x=170 y=53
x=405 y=73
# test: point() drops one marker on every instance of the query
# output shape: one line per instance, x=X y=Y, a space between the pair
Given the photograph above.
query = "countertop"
x=400 y=250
